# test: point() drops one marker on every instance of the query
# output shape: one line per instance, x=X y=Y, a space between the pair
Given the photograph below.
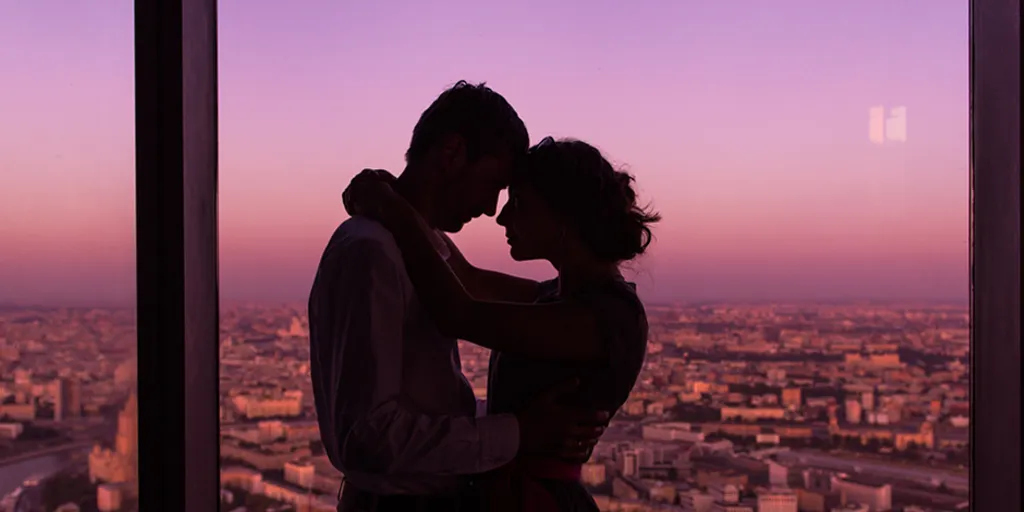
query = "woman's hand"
x=370 y=194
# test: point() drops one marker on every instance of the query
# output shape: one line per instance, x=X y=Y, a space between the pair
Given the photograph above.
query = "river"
x=12 y=475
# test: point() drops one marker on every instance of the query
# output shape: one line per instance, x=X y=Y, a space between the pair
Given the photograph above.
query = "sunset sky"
x=746 y=124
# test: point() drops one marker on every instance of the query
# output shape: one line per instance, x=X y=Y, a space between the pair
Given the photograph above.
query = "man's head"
x=463 y=148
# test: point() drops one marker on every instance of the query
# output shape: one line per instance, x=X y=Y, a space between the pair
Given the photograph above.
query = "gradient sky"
x=745 y=122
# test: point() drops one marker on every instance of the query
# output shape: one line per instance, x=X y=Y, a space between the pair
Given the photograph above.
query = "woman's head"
x=567 y=201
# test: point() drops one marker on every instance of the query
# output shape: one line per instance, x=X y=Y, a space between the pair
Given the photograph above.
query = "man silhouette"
x=395 y=412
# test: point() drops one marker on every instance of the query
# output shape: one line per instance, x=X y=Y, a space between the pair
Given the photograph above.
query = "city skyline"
x=876 y=398
x=754 y=144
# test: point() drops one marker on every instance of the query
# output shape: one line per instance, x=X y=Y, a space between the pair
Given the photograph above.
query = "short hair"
x=482 y=117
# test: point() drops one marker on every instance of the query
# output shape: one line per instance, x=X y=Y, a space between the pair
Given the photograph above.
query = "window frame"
x=995 y=254
x=176 y=254
x=176 y=226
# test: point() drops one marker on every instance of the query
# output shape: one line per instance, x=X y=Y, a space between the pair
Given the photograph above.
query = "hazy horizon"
x=301 y=301
x=746 y=125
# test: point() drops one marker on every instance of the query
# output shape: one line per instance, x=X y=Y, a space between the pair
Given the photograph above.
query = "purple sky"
x=746 y=123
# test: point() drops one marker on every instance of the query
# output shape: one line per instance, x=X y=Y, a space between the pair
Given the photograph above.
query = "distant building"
x=120 y=465
x=853 y=411
x=287 y=492
x=852 y=507
x=295 y=330
x=776 y=500
x=791 y=398
x=817 y=501
x=18 y=412
x=300 y=473
x=885 y=360
x=923 y=437
x=594 y=474
x=671 y=431
x=878 y=498
x=241 y=477
x=752 y=413
x=696 y=501
x=727 y=493
x=67 y=400
x=629 y=463
x=11 y=430
x=110 y=497
x=778 y=475
x=867 y=400
x=289 y=405
x=270 y=430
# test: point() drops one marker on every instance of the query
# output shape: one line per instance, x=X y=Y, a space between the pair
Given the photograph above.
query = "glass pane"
x=68 y=427
x=807 y=289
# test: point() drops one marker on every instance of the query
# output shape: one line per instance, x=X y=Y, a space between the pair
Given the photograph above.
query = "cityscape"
x=757 y=407
x=801 y=155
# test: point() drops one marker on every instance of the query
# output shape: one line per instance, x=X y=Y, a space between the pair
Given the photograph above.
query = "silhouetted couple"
x=393 y=294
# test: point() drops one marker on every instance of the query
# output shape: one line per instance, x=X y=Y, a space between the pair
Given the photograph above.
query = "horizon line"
x=851 y=301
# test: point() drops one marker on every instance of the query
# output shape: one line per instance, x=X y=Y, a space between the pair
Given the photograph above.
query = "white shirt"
x=396 y=414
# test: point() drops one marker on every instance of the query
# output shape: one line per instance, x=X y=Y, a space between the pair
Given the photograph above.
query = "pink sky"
x=746 y=123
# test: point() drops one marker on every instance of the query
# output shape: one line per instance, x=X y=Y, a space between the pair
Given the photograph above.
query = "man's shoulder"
x=359 y=246
x=363 y=233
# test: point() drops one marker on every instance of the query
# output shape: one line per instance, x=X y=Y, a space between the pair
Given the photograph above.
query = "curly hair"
x=579 y=183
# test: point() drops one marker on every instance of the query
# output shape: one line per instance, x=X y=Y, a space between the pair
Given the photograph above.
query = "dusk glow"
x=747 y=124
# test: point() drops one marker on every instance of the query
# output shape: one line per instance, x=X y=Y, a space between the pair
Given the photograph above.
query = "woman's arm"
x=487 y=284
x=480 y=283
x=558 y=330
x=561 y=330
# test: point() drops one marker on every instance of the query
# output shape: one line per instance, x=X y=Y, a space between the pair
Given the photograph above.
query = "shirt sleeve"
x=379 y=430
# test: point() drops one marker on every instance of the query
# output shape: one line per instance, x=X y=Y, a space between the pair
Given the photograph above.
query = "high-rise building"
x=58 y=400
x=67 y=402
x=120 y=465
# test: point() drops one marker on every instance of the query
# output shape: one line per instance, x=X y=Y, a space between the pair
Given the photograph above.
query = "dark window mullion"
x=176 y=164
x=995 y=255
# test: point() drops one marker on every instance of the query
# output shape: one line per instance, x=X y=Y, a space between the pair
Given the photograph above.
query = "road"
x=14 y=471
x=869 y=467
x=52 y=450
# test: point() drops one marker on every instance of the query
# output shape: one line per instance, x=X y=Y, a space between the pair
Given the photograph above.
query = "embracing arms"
x=369 y=425
x=562 y=330
x=487 y=284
